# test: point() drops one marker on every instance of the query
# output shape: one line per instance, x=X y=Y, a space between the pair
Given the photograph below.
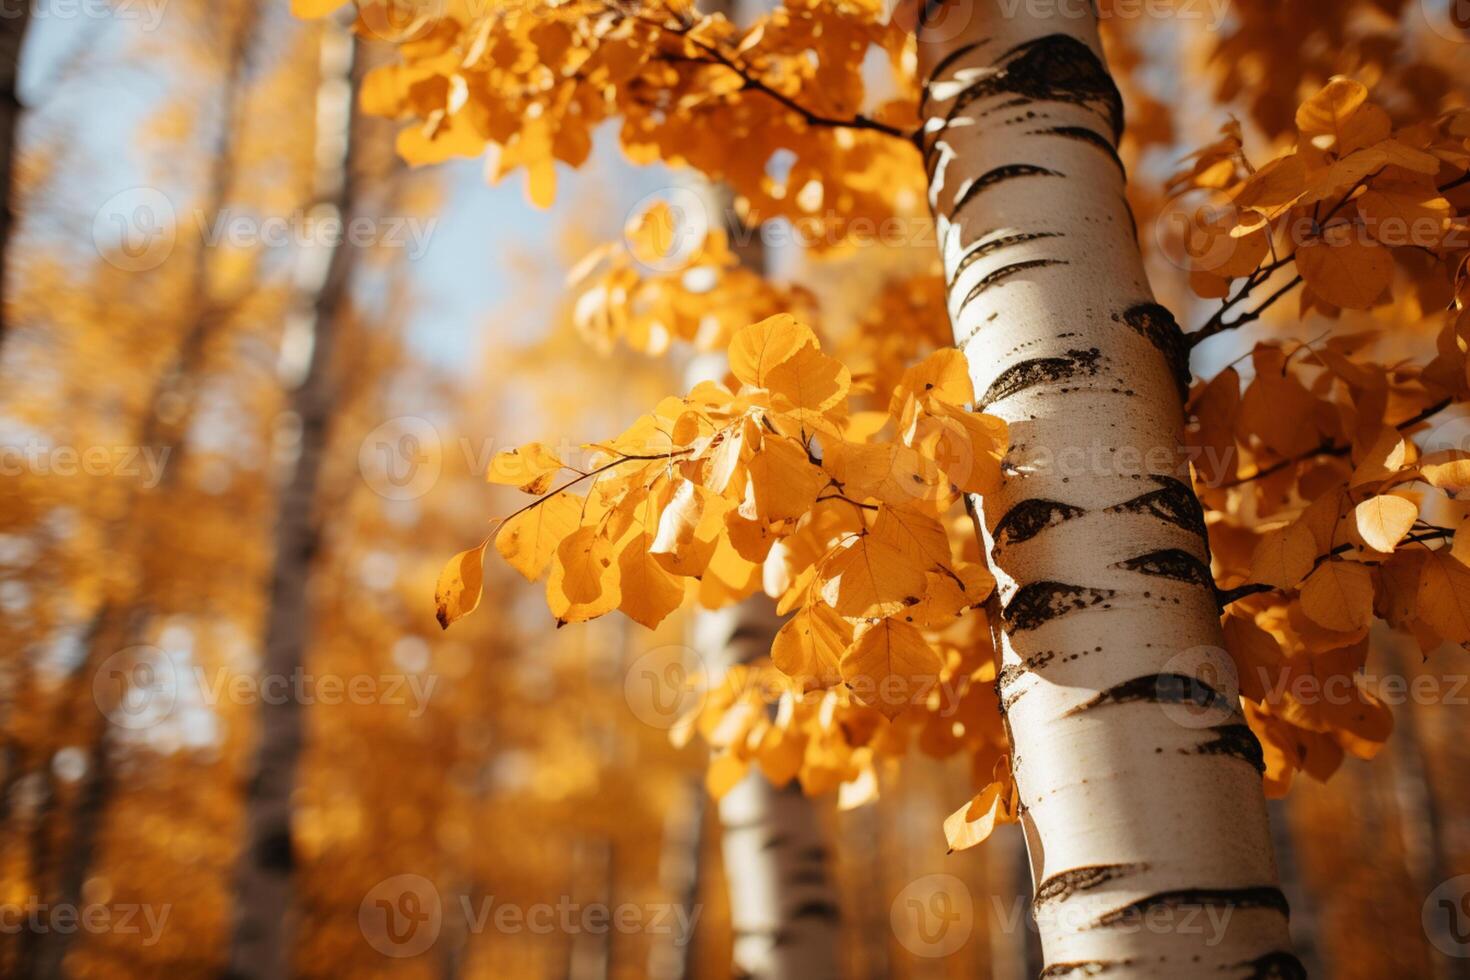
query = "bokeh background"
x=190 y=365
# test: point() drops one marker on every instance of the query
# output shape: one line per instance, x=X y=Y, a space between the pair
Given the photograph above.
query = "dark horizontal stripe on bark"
x=1084 y=968
x=1054 y=68
x=1087 y=136
x=1158 y=327
x=1030 y=517
x=1062 y=886
x=1170 y=563
x=1256 y=897
x=1273 y=966
x=944 y=64
x=1040 y=602
x=1001 y=275
x=1039 y=371
x=998 y=175
x=990 y=246
x=820 y=910
x=1235 y=740
x=1173 y=502
x=1008 y=677
x=1159 y=689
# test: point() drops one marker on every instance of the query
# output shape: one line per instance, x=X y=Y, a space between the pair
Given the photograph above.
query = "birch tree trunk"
x=261 y=944
x=13 y=26
x=783 y=906
x=1140 y=783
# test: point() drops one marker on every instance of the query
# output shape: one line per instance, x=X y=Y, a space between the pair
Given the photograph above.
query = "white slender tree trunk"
x=783 y=905
x=1140 y=783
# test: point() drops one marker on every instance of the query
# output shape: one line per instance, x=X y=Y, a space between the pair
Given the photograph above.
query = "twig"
x=1330 y=448
x=717 y=57
x=1217 y=325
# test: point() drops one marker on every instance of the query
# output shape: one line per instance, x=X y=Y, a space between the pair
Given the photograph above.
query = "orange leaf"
x=460 y=584
x=1339 y=596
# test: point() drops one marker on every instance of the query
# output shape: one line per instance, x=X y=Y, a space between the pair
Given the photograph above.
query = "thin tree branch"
x=1330 y=448
x=714 y=56
x=1218 y=325
x=1228 y=596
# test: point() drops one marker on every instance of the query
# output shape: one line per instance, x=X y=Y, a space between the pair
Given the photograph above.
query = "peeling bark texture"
x=783 y=903
x=1141 y=793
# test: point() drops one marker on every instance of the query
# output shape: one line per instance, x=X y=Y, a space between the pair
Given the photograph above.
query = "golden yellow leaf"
x=1283 y=556
x=458 y=592
x=1326 y=114
x=528 y=540
x=783 y=481
x=808 y=649
x=1339 y=596
x=919 y=538
x=1444 y=596
x=725 y=772
x=1257 y=656
x=756 y=350
x=525 y=467
x=583 y=583
x=890 y=666
x=312 y=9
x=1345 y=267
x=972 y=823
x=809 y=385
x=1383 y=521
x=1451 y=476
x=944 y=374
x=872 y=578
x=649 y=593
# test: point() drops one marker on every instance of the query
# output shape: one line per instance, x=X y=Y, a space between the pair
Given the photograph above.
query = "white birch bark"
x=1140 y=783
x=783 y=904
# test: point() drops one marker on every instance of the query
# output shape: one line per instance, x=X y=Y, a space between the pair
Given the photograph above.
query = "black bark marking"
x=1062 y=886
x=1160 y=689
x=1255 y=897
x=1083 y=968
x=1274 y=966
x=1158 y=327
x=1054 y=68
x=1030 y=517
x=1040 y=602
x=821 y=910
x=1008 y=676
x=998 y=175
x=1170 y=563
x=944 y=64
x=1234 y=740
x=993 y=245
x=1087 y=136
x=1173 y=502
x=1001 y=275
x=1042 y=370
